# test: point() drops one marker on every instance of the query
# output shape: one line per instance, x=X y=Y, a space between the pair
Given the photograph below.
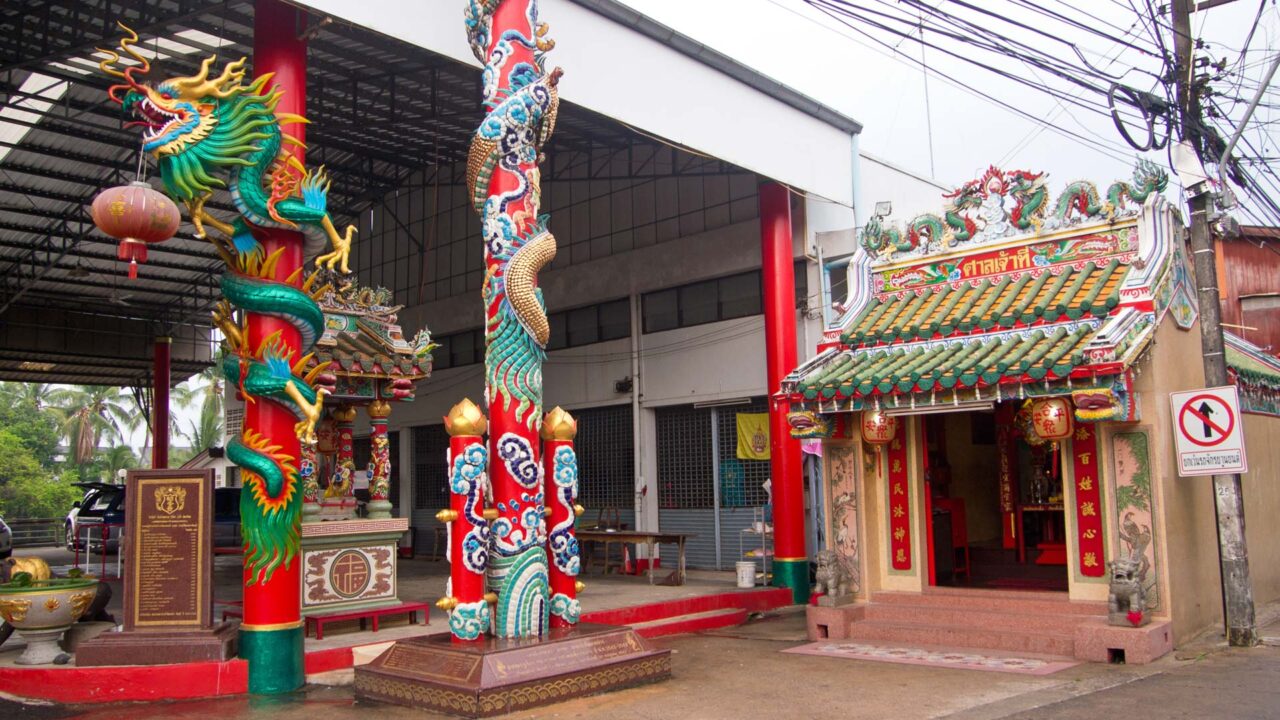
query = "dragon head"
x=193 y=125
x=1147 y=174
x=806 y=424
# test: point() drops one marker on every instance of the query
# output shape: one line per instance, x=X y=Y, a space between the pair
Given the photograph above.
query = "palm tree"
x=24 y=395
x=89 y=414
x=117 y=458
x=207 y=389
x=205 y=434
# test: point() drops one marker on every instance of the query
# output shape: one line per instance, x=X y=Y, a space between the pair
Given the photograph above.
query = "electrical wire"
x=1108 y=150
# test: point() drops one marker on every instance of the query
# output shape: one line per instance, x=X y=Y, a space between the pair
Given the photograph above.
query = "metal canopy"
x=380 y=109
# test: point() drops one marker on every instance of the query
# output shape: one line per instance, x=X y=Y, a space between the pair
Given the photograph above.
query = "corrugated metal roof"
x=379 y=110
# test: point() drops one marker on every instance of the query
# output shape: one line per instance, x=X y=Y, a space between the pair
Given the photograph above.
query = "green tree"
x=88 y=415
x=26 y=488
x=24 y=413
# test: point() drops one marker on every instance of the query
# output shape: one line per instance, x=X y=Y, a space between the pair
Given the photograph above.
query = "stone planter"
x=42 y=611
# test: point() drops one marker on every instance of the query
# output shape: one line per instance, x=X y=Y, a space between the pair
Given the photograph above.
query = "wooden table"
x=650 y=539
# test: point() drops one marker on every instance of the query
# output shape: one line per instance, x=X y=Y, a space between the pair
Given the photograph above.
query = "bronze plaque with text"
x=168 y=550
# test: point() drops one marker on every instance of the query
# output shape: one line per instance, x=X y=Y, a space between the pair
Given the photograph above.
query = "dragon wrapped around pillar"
x=210 y=132
x=520 y=102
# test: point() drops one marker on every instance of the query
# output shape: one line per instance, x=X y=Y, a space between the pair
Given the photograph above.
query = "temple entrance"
x=995 y=501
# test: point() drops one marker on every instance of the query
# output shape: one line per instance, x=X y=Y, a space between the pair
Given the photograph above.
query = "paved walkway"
x=740 y=673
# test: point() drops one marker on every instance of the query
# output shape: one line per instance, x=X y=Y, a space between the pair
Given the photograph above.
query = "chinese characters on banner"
x=899 y=505
x=1088 y=501
x=1004 y=448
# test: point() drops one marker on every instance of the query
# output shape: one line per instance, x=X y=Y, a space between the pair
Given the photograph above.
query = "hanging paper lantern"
x=877 y=427
x=1051 y=418
x=135 y=214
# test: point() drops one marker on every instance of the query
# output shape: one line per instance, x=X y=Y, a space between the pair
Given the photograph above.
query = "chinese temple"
x=993 y=415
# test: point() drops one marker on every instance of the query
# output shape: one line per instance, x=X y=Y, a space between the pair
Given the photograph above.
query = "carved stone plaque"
x=168 y=550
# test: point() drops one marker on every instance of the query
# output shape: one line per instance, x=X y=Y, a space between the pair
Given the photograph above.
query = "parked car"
x=226 y=518
x=104 y=503
x=92 y=490
x=100 y=518
x=6 y=540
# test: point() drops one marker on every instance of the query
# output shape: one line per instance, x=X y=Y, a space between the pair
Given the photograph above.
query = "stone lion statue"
x=1127 y=601
x=832 y=577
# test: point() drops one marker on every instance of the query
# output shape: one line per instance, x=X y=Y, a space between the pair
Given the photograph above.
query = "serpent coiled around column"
x=210 y=133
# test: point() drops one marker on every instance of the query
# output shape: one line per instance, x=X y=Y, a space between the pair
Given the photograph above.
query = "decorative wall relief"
x=843 y=491
x=1135 y=505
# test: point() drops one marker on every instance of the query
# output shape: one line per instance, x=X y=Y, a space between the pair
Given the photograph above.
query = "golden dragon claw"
x=337 y=259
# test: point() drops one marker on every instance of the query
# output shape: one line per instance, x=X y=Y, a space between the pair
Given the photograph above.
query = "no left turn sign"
x=1207 y=432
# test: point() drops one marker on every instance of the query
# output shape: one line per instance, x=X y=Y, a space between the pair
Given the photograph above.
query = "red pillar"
x=160 y=404
x=791 y=560
x=560 y=480
x=468 y=523
x=271 y=634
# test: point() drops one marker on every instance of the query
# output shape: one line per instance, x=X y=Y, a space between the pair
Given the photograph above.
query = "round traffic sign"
x=1206 y=420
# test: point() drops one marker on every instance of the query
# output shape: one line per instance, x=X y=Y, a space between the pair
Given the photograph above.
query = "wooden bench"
x=362 y=614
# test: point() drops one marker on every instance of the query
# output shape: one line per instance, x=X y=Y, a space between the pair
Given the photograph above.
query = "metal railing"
x=101 y=534
x=36 y=532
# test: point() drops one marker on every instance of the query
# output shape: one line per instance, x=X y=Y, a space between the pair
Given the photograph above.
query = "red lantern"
x=1051 y=418
x=136 y=215
x=877 y=427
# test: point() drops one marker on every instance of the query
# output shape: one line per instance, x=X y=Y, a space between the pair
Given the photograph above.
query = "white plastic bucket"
x=746 y=574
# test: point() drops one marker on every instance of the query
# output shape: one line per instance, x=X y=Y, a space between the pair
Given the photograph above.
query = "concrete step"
x=750 y=601
x=693 y=622
x=1011 y=618
x=1011 y=601
x=1023 y=641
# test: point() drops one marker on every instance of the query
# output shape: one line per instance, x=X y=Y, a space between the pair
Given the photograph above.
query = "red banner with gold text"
x=899 y=503
x=1088 y=501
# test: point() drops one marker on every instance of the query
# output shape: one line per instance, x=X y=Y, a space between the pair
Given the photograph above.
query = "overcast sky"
x=810 y=51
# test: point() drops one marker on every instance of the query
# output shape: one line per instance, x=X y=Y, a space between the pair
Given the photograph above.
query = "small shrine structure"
x=997 y=387
x=350 y=562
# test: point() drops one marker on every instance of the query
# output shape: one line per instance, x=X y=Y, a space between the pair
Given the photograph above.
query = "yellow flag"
x=753 y=436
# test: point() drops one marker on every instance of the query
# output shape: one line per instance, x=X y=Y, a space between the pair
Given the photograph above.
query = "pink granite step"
x=994 y=600
x=1022 y=641
x=1007 y=618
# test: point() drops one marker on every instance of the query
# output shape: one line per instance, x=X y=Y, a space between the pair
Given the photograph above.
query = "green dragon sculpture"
x=1082 y=196
x=210 y=133
x=1148 y=178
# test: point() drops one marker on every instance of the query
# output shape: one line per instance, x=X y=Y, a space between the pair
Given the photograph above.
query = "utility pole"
x=1233 y=554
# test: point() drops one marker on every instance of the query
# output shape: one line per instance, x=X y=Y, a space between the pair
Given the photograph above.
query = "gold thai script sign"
x=994 y=263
